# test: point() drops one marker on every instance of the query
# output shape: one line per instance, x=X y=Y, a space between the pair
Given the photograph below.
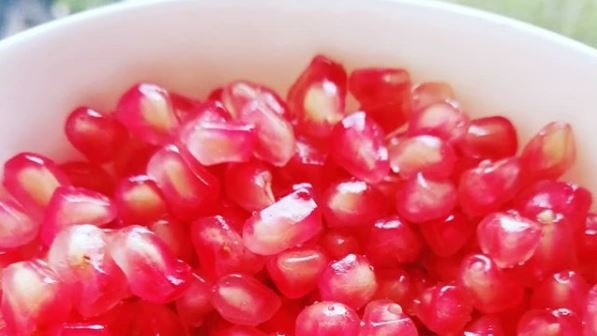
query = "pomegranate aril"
x=307 y=165
x=292 y=220
x=398 y=285
x=491 y=289
x=392 y=241
x=237 y=95
x=296 y=272
x=132 y=158
x=220 y=248
x=444 y=308
x=188 y=188
x=249 y=185
x=587 y=244
x=194 y=304
x=16 y=227
x=443 y=120
x=447 y=236
x=147 y=111
x=242 y=299
x=422 y=153
x=337 y=244
x=541 y=322
x=489 y=186
x=350 y=280
x=78 y=329
x=565 y=289
x=95 y=135
x=175 y=235
x=429 y=93
x=359 y=147
x=31 y=179
x=509 y=239
x=421 y=199
x=87 y=175
x=139 y=200
x=156 y=320
x=152 y=271
x=351 y=202
x=384 y=93
x=185 y=107
x=33 y=297
x=71 y=206
x=384 y=317
x=486 y=325
x=590 y=313
x=490 y=138
x=550 y=153
x=327 y=318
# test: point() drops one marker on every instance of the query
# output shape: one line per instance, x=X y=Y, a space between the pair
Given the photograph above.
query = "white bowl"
x=497 y=65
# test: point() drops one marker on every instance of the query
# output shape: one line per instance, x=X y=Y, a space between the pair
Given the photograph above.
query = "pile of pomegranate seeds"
x=244 y=214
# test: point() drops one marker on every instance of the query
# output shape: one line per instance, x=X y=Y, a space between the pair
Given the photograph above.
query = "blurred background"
x=574 y=18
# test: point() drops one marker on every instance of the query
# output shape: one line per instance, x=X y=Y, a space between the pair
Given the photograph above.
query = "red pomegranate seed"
x=559 y=322
x=491 y=289
x=185 y=107
x=237 y=95
x=31 y=179
x=292 y=220
x=509 y=239
x=79 y=255
x=429 y=93
x=590 y=313
x=33 y=298
x=399 y=285
x=78 y=329
x=565 y=289
x=350 y=280
x=351 y=202
x=489 y=186
x=421 y=199
x=139 y=200
x=132 y=158
x=147 y=111
x=220 y=248
x=384 y=93
x=89 y=176
x=448 y=235
x=70 y=206
x=384 y=317
x=175 y=235
x=491 y=138
x=154 y=319
x=189 y=189
x=151 y=269
x=486 y=325
x=249 y=185
x=359 y=147
x=443 y=120
x=550 y=153
x=17 y=228
x=95 y=135
x=338 y=244
x=327 y=319
x=444 y=308
x=422 y=153
x=242 y=299
x=194 y=304
x=295 y=272
x=588 y=239
x=392 y=241
x=317 y=98
x=307 y=164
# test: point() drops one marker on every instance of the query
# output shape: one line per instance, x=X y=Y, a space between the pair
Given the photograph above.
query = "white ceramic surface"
x=496 y=65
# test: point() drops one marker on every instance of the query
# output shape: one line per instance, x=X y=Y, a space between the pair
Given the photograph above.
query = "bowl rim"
x=486 y=18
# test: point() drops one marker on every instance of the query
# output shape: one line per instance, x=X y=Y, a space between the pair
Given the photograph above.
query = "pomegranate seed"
x=194 y=304
x=489 y=186
x=31 y=179
x=78 y=329
x=384 y=93
x=151 y=269
x=565 y=289
x=590 y=313
x=392 y=241
x=176 y=237
x=560 y=322
x=220 y=248
x=153 y=319
x=95 y=135
x=443 y=120
x=327 y=319
x=70 y=206
x=508 y=239
x=444 y=308
x=295 y=272
x=350 y=280
x=448 y=235
x=422 y=153
x=242 y=299
x=352 y=202
x=17 y=227
x=89 y=176
x=491 y=290
x=249 y=185
x=338 y=244
x=307 y=164
x=237 y=95
x=486 y=325
x=189 y=189
x=239 y=331
x=139 y=200
x=588 y=240
x=132 y=158
x=491 y=138
x=384 y=317
x=79 y=255
x=290 y=221
x=33 y=297
x=422 y=199
x=147 y=111
x=399 y=285
x=359 y=147
x=185 y=107
x=429 y=93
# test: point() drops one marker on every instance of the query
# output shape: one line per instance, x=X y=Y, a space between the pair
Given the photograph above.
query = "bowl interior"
x=497 y=66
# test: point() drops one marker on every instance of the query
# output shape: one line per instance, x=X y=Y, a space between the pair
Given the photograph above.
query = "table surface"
x=574 y=18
